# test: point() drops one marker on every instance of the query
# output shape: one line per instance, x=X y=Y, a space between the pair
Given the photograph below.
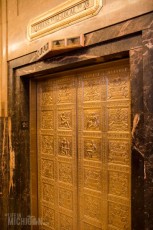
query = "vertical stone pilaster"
x=147 y=39
x=4 y=161
x=137 y=151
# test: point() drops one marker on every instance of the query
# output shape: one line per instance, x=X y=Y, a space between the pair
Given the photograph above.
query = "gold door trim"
x=84 y=139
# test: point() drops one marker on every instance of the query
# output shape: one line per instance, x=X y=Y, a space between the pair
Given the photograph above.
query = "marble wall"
x=148 y=123
x=4 y=168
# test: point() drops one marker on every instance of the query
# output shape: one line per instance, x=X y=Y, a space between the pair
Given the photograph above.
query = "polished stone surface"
x=4 y=168
x=148 y=123
x=137 y=154
x=119 y=30
x=95 y=54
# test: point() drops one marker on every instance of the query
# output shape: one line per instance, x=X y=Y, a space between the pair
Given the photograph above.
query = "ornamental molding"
x=67 y=13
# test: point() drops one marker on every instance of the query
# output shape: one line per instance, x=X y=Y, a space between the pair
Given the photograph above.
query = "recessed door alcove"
x=81 y=148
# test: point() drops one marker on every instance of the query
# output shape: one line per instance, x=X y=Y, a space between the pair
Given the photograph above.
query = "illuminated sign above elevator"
x=62 y=16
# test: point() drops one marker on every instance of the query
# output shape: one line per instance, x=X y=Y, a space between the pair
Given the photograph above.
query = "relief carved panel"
x=118 y=87
x=92 y=149
x=66 y=198
x=69 y=12
x=118 y=119
x=47 y=144
x=65 y=93
x=66 y=222
x=119 y=152
x=48 y=217
x=65 y=120
x=56 y=143
x=47 y=119
x=92 y=207
x=47 y=168
x=65 y=146
x=119 y=216
x=90 y=165
x=47 y=94
x=92 y=178
x=92 y=90
x=48 y=192
x=92 y=120
x=65 y=172
x=119 y=184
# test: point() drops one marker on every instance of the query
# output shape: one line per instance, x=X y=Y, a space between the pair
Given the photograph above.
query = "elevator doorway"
x=83 y=149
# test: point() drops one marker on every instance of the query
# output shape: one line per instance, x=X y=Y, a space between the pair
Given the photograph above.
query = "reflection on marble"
x=147 y=37
x=95 y=54
x=137 y=155
x=121 y=29
x=3 y=172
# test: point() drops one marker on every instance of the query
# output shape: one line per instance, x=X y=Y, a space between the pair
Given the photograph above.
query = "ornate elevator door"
x=84 y=149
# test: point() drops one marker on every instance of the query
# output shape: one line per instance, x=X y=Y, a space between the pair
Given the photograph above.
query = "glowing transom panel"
x=84 y=150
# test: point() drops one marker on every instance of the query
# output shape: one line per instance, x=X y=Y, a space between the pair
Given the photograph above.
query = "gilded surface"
x=92 y=149
x=65 y=146
x=57 y=193
x=97 y=176
x=104 y=149
x=66 y=222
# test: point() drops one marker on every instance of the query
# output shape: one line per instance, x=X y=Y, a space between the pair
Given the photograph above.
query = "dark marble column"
x=147 y=37
x=137 y=153
x=4 y=164
x=19 y=193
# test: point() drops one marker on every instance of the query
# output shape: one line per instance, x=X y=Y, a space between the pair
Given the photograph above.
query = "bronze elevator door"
x=84 y=149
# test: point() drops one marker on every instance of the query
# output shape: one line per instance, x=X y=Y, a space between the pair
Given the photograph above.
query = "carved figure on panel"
x=65 y=120
x=92 y=121
x=65 y=147
x=47 y=98
x=92 y=149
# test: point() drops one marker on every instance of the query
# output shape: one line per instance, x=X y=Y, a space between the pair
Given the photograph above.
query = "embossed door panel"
x=104 y=148
x=57 y=165
x=84 y=139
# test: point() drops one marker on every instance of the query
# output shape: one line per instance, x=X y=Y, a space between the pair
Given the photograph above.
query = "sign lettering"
x=62 y=16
